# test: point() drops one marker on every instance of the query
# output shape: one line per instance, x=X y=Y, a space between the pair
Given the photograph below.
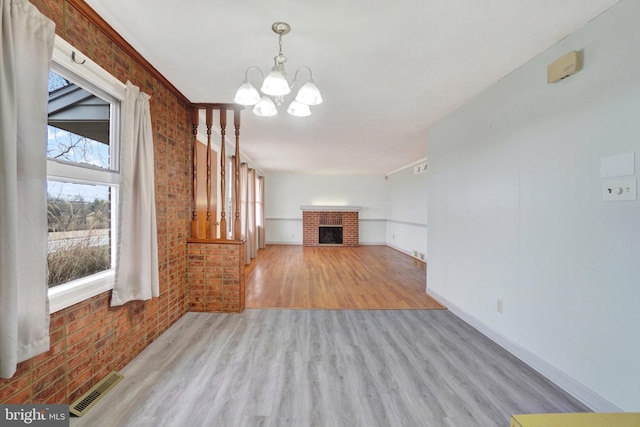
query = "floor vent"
x=95 y=393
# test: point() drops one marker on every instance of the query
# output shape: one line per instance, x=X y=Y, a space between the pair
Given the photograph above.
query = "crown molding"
x=114 y=36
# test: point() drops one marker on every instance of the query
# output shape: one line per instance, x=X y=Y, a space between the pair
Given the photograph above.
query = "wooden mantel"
x=318 y=208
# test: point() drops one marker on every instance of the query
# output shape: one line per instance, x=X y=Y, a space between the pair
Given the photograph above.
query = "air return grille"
x=95 y=393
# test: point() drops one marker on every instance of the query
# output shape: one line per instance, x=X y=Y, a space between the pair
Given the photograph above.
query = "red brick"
x=91 y=330
x=21 y=396
x=14 y=387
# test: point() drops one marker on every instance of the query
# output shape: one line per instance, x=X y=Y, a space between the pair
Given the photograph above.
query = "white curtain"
x=244 y=176
x=247 y=207
x=234 y=205
x=137 y=261
x=260 y=212
x=251 y=214
x=25 y=57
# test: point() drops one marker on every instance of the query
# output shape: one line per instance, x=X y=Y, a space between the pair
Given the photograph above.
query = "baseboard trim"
x=284 y=243
x=399 y=249
x=585 y=395
x=300 y=244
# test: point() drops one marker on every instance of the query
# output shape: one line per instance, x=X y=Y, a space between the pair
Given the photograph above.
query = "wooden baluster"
x=223 y=131
x=194 y=184
x=210 y=233
x=223 y=181
x=236 y=224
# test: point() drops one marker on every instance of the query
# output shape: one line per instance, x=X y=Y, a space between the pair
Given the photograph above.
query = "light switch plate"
x=614 y=190
x=620 y=165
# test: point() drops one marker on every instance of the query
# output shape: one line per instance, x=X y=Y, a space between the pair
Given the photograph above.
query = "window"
x=82 y=177
x=79 y=217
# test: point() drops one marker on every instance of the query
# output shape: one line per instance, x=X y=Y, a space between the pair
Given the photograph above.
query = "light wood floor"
x=365 y=277
x=329 y=368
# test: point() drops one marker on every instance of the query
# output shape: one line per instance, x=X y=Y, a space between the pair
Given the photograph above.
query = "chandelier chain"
x=280 y=59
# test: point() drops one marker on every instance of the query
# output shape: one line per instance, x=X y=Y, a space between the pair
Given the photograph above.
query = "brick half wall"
x=215 y=275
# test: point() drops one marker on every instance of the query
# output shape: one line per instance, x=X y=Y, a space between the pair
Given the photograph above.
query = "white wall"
x=286 y=192
x=516 y=213
x=407 y=211
x=394 y=210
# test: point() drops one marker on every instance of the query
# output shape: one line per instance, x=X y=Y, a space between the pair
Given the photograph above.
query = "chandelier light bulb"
x=265 y=107
x=247 y=94
x=309 y=94
x=275 y=84
x=299 y=109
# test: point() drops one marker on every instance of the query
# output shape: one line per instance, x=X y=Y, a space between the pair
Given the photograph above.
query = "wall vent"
x=95 y=393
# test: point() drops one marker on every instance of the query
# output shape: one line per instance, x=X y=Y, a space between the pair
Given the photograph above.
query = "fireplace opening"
x=330 y=235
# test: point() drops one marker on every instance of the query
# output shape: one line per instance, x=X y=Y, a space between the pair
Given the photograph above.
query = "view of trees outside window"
x=79 y=218
x=56 y=81
x=79 y=214
x=63 y=145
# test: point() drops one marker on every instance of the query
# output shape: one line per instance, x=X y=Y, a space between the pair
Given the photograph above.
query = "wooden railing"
x=211 y=231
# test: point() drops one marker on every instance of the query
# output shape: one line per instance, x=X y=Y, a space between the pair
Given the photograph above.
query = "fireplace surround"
x=330 y=221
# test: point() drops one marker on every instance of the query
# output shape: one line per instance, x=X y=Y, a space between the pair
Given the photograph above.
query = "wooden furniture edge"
x=577 y=419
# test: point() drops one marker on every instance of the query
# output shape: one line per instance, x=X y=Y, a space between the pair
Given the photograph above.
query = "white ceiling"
x=387 y=70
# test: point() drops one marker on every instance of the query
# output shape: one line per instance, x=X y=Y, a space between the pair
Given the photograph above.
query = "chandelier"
x=276 y=85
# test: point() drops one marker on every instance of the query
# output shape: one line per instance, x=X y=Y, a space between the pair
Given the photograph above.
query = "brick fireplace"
x=330 y=221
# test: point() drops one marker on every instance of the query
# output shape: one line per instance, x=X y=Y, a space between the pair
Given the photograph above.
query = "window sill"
x=63 y=296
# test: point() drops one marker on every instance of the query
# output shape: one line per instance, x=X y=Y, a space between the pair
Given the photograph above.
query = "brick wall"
x=312 y=219
x=215 y=276
x=350 y=229
x=90 y=339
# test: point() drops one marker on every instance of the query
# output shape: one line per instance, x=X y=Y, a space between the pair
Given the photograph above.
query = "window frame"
x=69 y=63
